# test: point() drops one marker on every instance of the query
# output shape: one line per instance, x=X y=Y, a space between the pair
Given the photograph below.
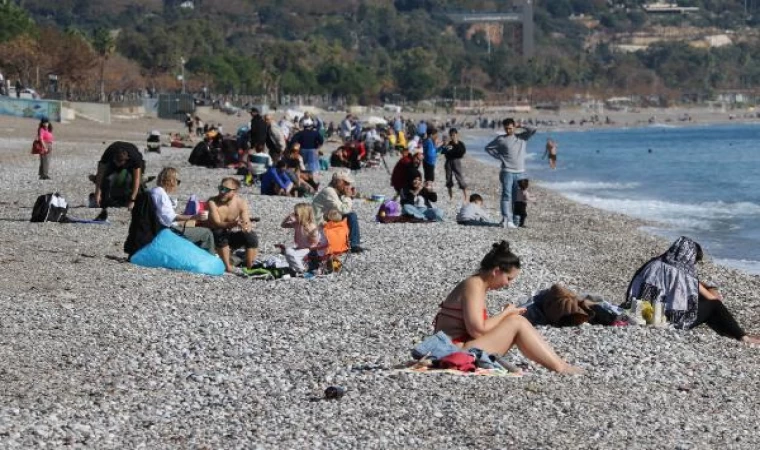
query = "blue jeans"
x=354 y=237
x=508 y=192
x=310 y=160
x=429 y=214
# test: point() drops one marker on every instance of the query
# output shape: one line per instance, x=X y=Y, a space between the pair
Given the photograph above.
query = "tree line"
x=367 y=51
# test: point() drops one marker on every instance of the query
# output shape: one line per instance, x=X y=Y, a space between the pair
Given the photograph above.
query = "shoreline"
x=651 y=225
x=102 y=354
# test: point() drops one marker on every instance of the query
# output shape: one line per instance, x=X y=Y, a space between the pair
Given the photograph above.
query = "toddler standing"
x=522 y=197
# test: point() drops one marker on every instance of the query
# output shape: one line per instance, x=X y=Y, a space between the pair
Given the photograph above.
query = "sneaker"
x=357 y=249
x=507 y=224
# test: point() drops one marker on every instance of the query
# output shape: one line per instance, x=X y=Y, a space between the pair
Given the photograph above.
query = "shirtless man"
x=228 y=212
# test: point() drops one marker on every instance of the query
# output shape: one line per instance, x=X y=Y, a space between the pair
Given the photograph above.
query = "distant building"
x=492 y=25
x=668 y=8
x=188 y=4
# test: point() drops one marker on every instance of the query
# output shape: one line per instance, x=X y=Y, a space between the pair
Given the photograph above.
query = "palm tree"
x=105 y=45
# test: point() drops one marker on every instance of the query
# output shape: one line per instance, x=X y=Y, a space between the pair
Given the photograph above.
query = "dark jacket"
x=402 y=173
x=144 y=225
x=454 y=151
x=408 y=197
x=258 y=131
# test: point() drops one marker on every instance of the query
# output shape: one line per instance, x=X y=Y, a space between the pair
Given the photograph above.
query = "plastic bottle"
x=635 y=313
x=659 y=318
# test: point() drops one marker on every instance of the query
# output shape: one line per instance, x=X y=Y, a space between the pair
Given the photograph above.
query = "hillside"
x=371 y=50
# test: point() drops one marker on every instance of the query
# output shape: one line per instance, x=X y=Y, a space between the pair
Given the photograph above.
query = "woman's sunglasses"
x=225 y=189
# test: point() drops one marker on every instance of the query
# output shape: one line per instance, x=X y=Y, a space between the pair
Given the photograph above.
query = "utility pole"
x=182 y=62
x=488 y=38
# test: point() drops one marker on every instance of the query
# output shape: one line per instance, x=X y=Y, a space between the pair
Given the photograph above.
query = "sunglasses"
x=179 y=182
x=225 y=189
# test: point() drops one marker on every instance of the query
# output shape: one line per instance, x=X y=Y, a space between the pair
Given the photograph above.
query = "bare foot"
x=752 y=340
x=571 y=370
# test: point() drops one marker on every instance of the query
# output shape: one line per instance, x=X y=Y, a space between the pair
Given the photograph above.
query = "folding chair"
x=337 y=237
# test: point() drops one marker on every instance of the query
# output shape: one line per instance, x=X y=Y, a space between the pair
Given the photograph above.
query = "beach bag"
x=38 y=148
x=170 y=251
x=195 y=206
x=50 y=208
x=389 y=208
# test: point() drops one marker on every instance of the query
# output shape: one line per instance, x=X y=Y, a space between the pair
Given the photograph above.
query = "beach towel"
x=425 y=368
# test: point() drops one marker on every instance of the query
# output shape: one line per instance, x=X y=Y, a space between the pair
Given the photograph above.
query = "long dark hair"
x=43 y=122
x=500 y=257
x=42 y=125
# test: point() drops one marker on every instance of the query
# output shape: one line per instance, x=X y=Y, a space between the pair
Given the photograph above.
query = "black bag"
x=144 y=225
x=50 y=208
x=203 y=155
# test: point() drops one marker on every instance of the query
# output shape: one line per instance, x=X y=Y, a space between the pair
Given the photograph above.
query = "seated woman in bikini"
x=463 y=315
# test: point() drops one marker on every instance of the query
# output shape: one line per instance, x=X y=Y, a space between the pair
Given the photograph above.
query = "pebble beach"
x=99 y=353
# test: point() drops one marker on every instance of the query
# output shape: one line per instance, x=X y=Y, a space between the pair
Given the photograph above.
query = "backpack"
x=144 y=225
x=50 y=208
x=389 y=208
x=202 y=155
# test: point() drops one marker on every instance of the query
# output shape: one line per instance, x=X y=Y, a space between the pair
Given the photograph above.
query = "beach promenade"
x=97 y=353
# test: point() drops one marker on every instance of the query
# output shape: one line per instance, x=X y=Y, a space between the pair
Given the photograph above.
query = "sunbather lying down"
x=463 y=315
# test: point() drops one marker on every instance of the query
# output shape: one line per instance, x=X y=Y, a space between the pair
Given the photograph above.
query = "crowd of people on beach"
x=287 y=158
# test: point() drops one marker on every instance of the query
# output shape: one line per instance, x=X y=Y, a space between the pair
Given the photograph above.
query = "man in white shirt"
x=338 y=196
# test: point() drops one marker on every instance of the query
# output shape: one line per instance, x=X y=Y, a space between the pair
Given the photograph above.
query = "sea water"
x=698 y=181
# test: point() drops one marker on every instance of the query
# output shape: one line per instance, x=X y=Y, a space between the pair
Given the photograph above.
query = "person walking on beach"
x=510 y=149
x=45 y=135
x=189 y=123
x=454 y=152
x=551 y=153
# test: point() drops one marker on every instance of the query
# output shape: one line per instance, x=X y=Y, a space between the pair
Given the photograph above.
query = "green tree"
x=14 y=21
x=104 y=44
